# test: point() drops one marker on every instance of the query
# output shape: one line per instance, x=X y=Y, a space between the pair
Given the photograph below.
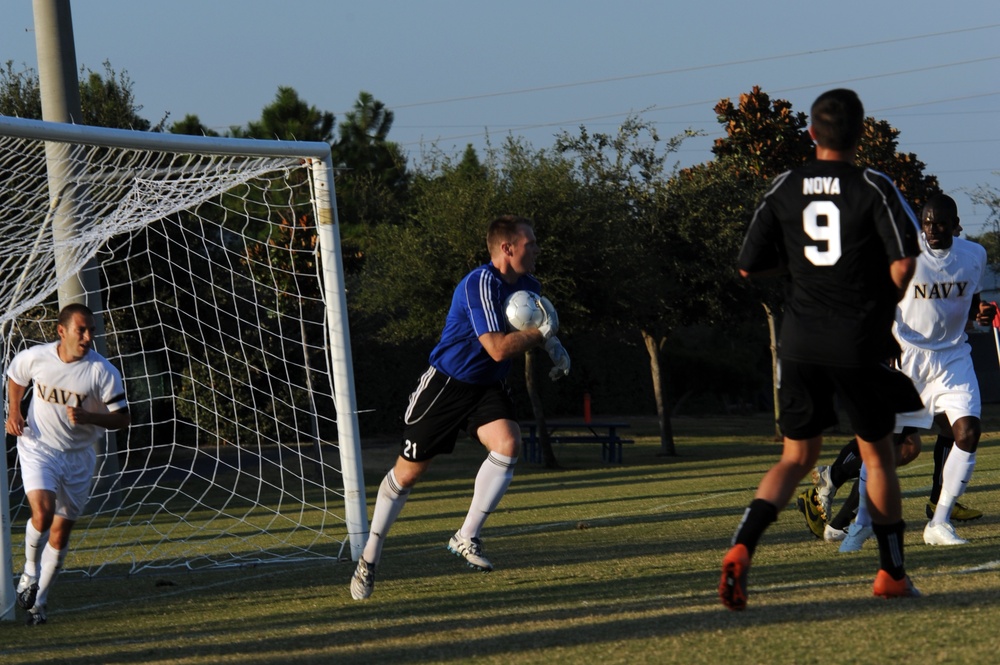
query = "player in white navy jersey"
x=465 y=388
x=931 y=328
x=848 y=242
x=76 y=395
x=931 y=325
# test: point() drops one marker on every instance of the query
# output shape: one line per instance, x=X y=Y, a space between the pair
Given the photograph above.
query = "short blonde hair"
x=505 y=228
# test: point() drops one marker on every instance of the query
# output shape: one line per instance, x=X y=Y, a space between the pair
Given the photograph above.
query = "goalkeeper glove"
x=550 y=322
x=560 y=358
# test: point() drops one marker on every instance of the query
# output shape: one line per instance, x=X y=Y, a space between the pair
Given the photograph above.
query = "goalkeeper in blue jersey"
x=465 y=388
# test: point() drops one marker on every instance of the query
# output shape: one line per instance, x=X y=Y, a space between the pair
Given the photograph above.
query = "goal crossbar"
x=124 y=138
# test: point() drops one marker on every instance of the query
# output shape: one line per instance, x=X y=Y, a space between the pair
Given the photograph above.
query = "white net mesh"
x=213 y=309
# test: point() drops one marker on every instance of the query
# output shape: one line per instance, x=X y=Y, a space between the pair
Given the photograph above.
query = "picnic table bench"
x=603 y=433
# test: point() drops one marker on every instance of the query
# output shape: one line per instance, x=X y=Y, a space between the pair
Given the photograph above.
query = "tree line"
x=638 y=254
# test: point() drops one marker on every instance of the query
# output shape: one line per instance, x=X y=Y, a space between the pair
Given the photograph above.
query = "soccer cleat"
x=856 y=537
x=886 y=587
x=27 y=590
x=825 y=490
x=471 y=549
x=36 y=616
x=363 y=581
x=959 y=513
x=733 y=585
x=832 y=534
x=807 y=506
x=942 y=534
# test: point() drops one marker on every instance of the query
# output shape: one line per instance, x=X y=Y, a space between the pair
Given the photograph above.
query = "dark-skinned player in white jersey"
x=942 y=302
x=848 y=242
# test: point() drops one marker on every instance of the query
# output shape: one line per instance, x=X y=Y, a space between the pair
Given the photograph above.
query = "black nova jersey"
x=836 y=227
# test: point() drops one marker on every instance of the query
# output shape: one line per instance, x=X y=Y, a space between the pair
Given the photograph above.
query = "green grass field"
x=595 y=564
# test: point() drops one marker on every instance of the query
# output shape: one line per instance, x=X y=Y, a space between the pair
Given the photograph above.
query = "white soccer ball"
x=523 y=311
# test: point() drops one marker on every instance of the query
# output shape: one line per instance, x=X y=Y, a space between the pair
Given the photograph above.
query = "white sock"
x=863 y=517
x=491 y=483
x=954 y=479
x=34 y=541
x=390 y=501
x=52 y=562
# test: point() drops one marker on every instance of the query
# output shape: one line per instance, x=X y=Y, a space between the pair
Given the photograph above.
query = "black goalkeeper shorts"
x=441 y=407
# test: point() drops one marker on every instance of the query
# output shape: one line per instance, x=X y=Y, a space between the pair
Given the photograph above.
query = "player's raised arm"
x=114 y=420
x=504 y=346
x=982 y=312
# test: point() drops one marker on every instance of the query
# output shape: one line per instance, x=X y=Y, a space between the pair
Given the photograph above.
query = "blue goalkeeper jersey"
x=476 y=309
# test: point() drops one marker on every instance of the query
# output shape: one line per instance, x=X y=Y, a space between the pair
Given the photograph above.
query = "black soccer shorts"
x=441 y=407
x=871 y=396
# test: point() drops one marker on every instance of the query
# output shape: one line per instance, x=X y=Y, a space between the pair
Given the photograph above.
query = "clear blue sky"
x=454 y=70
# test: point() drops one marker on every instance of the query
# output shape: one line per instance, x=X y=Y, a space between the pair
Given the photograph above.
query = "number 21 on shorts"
x=410 y=450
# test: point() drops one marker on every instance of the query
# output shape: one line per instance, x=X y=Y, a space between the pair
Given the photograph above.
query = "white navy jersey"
x=935 y=310
x=837 y=228
x=92 y=383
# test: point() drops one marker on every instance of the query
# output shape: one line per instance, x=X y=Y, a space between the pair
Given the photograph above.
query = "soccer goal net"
x=218 y=269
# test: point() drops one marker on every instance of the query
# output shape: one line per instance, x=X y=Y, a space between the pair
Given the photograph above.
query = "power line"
x=706 y=102
x=695 y=68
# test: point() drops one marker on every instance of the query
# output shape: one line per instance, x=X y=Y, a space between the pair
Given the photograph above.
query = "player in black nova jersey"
x=848 y=242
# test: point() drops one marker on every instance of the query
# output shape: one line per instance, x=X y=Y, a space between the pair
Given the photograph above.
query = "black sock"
x=941 y=448
x=759 y=515
x=847 y=511
x=847 y=465
x=890 y=548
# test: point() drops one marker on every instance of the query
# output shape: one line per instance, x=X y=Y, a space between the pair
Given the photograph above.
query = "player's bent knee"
x=407 y=473
x=509 y=448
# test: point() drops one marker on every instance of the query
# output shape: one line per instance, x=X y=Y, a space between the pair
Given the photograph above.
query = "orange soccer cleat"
x=886 y=587
x=733 y=586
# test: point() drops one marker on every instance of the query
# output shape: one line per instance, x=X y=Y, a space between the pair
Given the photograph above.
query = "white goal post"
x=224 y=305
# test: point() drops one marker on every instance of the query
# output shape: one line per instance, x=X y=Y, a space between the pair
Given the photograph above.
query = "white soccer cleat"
x=470 y=549
x=363 y=581
x=27 y=590
x=942 y=534
x=832 y=534
x=825 y=491
x=856 y=537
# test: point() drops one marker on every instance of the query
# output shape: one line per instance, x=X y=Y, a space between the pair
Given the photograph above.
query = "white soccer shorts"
x=947 y=384
x=68 y=474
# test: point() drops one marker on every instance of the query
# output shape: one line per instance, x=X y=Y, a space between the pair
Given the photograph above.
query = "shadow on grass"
x=456 y=623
